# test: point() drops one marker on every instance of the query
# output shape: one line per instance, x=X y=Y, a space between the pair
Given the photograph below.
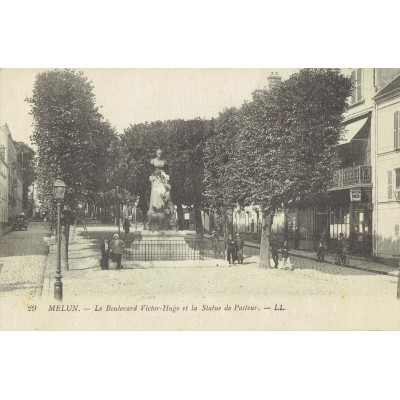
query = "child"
x=285 y=256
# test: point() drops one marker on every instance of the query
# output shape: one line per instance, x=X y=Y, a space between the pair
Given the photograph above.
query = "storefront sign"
x=355 y=194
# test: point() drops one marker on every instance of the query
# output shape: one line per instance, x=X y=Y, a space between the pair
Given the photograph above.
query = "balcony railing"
x=352 y=176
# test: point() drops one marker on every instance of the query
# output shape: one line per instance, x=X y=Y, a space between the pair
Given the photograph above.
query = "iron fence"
x=174 y=250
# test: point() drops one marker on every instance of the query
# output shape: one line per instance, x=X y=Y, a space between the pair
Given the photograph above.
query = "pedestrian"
x=117 y=249
x=214 y=243
x=126 y=226
x=286 y=256
x=239 y=248
x=274 y=246
x=230 y=249
x=105 y=253
x=84 y=227
x=296 y=238
x=322 y=246
x=342 y=247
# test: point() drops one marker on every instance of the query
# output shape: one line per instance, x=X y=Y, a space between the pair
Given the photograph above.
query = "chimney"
x=274 y=80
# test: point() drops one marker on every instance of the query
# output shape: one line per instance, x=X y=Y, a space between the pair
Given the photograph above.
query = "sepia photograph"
x=201 y=199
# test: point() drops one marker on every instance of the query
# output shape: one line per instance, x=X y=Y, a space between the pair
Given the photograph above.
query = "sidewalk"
x=86 y=276
x=358 y=263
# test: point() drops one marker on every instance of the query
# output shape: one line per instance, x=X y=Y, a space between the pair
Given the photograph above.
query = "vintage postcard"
x=200 y=199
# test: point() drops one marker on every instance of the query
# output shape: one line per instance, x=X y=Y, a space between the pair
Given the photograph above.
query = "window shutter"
x=390 y=185
x=397 y=172
x=396 y=130
x=359 y=84
x=353 y=93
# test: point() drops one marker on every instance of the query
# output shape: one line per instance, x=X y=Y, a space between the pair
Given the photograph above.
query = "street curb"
x=395 y=273
x=48 y=270
x=5 y=231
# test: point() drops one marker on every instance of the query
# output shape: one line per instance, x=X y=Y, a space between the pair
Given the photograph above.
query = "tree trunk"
x=265 y=240
x=225 y=220
x=181 y=216
x=118 y=222
x=198 y=220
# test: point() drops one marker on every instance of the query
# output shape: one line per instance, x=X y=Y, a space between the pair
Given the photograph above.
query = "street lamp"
x=59 y=192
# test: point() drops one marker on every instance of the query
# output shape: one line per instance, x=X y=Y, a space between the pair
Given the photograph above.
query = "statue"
x=161 y=215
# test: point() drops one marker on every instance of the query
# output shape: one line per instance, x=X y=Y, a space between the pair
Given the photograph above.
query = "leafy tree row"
x=73 y=140
x=278 y=150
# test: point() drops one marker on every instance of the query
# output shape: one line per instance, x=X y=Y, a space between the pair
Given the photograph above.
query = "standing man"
x=322 y=246
x=126 y=225
x=117 y=249
x=230 y=249
x=239 y=248
x=214 y=243
x=342 y=247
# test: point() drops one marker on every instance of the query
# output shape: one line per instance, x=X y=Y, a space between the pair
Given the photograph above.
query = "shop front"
x=350 y=212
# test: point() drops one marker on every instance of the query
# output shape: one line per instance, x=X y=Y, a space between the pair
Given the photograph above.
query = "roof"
x=392 y=86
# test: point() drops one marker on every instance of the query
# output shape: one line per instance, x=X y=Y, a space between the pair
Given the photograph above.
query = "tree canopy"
x=279 y=148
x=71 y=136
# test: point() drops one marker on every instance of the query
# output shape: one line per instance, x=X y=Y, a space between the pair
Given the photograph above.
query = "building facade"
x=3 y=187
x=386 y=161
x=14 y=174
x=355 y=203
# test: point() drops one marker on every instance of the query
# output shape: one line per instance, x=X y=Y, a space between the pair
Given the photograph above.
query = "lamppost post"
x=59 y=193
x=58 y=292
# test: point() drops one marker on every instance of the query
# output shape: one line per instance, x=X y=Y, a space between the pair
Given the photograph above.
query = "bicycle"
x=341 y=257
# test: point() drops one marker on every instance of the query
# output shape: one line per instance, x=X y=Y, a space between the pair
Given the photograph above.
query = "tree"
x=26 y=159
x=71 y=138
x=285 y=145
x=220 y=153
x=187 y=166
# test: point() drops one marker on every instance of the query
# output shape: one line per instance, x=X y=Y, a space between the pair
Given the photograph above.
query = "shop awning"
x=351 y=130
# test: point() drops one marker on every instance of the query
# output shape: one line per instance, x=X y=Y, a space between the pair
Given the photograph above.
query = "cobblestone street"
x=24 y=271
x=23 y=261
x=149 y=280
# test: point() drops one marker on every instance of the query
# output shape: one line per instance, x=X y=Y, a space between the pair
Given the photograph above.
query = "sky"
x=130 y=96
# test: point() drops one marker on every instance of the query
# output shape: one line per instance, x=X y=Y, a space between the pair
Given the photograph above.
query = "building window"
x=397 y=230
x=396 y=130
x=390 y=185
x=397 y=174
x=357 y=78
x=339 y=223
